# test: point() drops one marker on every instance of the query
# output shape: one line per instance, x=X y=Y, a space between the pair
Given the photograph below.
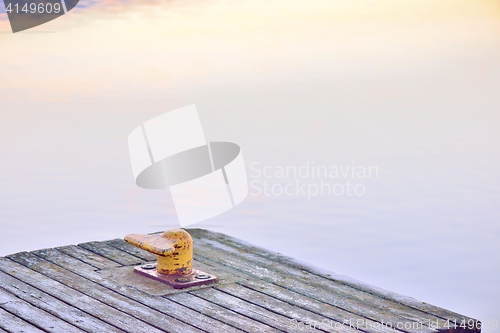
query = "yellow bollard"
x=174 y=266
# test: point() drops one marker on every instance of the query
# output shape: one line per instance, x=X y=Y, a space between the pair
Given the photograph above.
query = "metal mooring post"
x=174 y=266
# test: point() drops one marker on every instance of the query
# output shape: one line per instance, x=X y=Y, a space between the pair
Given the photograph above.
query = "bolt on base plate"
x=196 y=277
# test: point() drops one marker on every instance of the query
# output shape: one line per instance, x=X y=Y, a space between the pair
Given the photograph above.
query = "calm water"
x=408 y=88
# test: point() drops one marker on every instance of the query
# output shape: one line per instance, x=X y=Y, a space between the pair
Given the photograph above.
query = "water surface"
x=409 y=87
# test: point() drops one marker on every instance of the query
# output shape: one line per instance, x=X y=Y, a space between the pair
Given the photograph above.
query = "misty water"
x=407 y=90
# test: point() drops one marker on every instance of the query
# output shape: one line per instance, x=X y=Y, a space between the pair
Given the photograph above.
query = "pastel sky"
x=163 y=43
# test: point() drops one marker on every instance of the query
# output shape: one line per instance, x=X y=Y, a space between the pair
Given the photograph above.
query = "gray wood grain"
x=75 y=288
x=225 y=315
x=13 y=324
x=72 y=296
x=34 y=315
x=246 y=309
x=329 y=312
x=332 y=277
x=310 y=285
x=181 y=318
x=323 y=309
x=54 y=306
x=108 y=252
x=283 y=308
x=146 y=318
x=88 y=257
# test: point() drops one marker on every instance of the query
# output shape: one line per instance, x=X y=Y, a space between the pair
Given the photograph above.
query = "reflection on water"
x=410 y=87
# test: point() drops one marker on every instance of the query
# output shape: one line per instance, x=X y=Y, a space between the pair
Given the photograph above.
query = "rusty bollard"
x=174 y=266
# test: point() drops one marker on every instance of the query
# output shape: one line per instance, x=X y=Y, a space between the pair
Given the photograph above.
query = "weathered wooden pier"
x=92 y=287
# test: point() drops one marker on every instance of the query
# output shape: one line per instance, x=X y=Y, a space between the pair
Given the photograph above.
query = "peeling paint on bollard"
x=174 y=250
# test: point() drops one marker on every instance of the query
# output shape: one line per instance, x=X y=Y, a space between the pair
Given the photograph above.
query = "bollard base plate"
x=196 y=278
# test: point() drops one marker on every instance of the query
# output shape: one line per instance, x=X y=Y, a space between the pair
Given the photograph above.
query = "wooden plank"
x=309 y=318
x=370 y=325
x=87 y=288
x=330 y=312
x=218 y=312
x=54 y=306
x=332 y=277
x=148 y=318
x=344 y=291
x=72 y=296
x=110 y=253
x=13 y=324
x=34 y=315
x=275 y=305
x=247 y=309
x=175 y=311
x=304 y=283
x=88 y=257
